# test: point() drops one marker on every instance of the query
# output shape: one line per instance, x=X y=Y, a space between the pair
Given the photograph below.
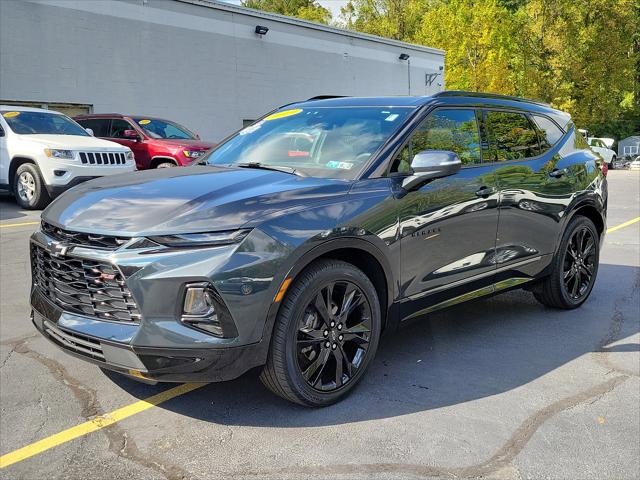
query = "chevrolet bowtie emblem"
x=57 y=249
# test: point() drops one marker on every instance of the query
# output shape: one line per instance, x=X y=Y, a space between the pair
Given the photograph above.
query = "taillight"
x=605 y=168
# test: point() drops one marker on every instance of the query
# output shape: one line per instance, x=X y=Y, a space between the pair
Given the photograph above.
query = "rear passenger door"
x=534 y=192
x=138 y=147
x=448 y=226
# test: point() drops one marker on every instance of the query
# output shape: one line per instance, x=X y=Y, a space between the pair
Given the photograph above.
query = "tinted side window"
x=100 y=126
x=549 y=132
x=118 y=127
x=452 y=130
x=511 y=137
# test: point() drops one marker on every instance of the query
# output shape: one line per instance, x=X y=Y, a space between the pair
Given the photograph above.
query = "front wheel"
x=574 y=268
x=325 y=336
x=29 y=189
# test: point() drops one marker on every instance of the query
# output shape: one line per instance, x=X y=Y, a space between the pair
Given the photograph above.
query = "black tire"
x=35 y=195
x=566 y=287
x=283 y=374
x=167 y=164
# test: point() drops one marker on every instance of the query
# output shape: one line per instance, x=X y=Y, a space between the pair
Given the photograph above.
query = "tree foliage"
x=304 y=9
x=582 y=56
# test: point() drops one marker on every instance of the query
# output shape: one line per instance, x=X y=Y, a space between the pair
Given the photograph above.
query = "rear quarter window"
x=550 y=133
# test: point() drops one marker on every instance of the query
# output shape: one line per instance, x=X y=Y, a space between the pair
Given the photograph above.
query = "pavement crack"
x=500 y=461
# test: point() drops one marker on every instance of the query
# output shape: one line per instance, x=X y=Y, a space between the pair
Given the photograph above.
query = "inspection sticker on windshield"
x=144 y=122
x=10 y=114
x=250 y=128
x=283 y=114
x=340 y=165
x=391 y=117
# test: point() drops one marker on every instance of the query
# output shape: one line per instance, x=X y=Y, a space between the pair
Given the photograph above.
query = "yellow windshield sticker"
x=283 y=114
x=10 y=114
x=144 y=122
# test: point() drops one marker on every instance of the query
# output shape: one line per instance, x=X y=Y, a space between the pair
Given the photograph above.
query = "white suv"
x=43 y=153
x=599 y=145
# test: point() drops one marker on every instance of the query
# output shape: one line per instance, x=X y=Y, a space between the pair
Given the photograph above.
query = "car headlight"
x=55 y=153
x=130 y=156
x=209 y=239
x=194 y=153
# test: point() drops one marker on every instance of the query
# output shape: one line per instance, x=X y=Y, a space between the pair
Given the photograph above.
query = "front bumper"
x=146 y=364
x=159 y=347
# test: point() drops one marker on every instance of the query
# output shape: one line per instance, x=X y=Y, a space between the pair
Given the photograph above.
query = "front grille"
x=103 y=158
x=82 y=239
x=83 y=286
x=75 y=342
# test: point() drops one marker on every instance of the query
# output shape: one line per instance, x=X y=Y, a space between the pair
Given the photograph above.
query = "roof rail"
x=325 y=97
x=464 y=93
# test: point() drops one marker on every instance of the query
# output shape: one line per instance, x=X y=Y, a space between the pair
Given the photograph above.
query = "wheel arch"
x=592 y=212
x=158 y=159
x=15 y=164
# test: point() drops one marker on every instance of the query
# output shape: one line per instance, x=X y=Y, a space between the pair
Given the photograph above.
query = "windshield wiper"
x=275 y=168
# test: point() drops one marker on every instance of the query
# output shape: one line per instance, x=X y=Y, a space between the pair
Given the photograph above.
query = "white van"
x=43 y=153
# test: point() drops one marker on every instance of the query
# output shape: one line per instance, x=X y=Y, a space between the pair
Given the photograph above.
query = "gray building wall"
x=197 y=62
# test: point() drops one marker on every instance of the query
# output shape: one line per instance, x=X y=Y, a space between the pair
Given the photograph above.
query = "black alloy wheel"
x=333 y=336
x=579 y=263
x=325 y=335
x=574 y=267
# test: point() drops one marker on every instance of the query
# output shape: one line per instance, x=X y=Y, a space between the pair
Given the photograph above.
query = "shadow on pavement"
x=9 y=210
x=468 y=352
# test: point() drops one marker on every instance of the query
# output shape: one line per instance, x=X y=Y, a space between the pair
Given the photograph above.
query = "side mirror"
x=131 y=135
x=430 y=164
x=89 y=131
x=197 y=136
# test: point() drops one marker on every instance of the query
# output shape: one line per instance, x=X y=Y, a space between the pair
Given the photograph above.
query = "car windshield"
x=162 y=129
x=31 y=123
x=331 y=142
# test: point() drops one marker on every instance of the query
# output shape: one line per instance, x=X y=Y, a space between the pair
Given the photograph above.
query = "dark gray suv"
x=303 y=237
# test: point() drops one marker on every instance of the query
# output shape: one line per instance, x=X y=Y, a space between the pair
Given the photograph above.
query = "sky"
x=332 y=5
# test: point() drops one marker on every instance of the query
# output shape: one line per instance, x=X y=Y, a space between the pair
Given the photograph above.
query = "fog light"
x=199 y=308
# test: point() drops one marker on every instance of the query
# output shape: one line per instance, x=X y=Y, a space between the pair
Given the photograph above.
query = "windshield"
x=31 y=123
x=332 y=142
x=162 y=129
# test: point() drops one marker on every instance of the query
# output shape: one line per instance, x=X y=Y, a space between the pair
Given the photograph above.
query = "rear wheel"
x=29 y=189
x=574 y=267
x=325 y=335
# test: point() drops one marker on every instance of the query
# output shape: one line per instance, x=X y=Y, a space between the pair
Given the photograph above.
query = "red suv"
x=156 y=143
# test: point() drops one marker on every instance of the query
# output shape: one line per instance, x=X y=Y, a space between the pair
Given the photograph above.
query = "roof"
x=456 y=96
x=227 y=7
x=115 y=115
x=18 y=108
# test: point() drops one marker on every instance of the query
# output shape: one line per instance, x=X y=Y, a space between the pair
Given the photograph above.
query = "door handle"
x=556 y=173
x=483 y=192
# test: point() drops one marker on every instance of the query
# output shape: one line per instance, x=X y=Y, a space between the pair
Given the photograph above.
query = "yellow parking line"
x=625 y=224
x=97 y=423
x=9 y=225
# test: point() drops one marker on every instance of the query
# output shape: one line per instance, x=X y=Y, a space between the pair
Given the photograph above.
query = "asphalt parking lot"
x=501 y=388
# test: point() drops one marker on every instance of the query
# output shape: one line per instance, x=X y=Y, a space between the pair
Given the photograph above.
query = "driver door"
x=448 y=226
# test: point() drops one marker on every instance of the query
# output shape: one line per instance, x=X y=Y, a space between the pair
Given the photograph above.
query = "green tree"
x=304 y=9
x=397 y=19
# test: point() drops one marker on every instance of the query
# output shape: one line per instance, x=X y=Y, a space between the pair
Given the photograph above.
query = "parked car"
x=43 y=153
x=305 y=236
x=608 y=155
x=635 y=164
x=156 y=143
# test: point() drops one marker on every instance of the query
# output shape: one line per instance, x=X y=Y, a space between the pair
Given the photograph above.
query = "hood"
x=75 y=142
x=199 y=144
x=186 y=200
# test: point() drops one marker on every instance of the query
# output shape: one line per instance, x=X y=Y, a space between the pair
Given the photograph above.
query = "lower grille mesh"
x=82 y=286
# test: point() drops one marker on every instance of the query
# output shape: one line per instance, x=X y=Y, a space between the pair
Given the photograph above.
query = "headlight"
x=130 y=156
x=54 y=153
x=202 y=239
x=194 y=153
